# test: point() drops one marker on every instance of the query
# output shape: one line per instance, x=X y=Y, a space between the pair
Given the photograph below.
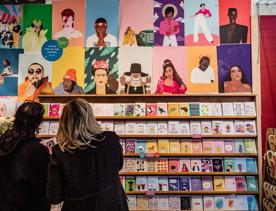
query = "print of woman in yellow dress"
x=34 y=37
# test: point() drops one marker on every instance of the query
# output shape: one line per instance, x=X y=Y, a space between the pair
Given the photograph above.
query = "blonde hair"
x=77 y=125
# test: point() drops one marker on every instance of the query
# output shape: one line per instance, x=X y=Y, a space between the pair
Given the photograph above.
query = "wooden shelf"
x=188 y=136
x=151 y=95
x=173 y=136
x=156 y=155
x=178 y=210
x=161 y=117
x=215 y=97
x=189 y=173
x=192 y=192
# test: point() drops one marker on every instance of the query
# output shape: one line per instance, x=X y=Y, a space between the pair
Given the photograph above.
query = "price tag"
x=150 y=155
x=197 y=136
x=150 y=193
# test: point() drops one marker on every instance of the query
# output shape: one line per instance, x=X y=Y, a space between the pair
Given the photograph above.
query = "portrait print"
x=9 y=59
x=37 y=26
x=234 y=18
x=68 y=73
x=202 y=70
x=34 y=77
x=68 y=21
x=169 y=67
x=168 y=23
x=102 y=23
x=136 y=29
x=11 y=26
x=201 y=23
x=135 y=65
x=234 y=68
x=101 y=70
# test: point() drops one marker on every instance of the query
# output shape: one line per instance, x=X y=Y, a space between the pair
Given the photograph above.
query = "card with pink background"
x=136 y=20
x=169 y=70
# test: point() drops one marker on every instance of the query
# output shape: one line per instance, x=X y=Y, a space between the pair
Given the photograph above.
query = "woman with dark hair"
x=23 y=163
x=235 y=81
x=170 y=82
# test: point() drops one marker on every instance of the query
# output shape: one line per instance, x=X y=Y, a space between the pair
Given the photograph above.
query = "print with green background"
x=41 y=12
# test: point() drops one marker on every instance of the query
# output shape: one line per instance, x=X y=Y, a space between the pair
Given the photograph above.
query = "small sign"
x=62 y=42
x=50 y=50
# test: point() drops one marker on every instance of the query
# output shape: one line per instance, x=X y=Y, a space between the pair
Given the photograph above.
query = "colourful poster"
x=169 y=70
x=102 y=23
x=201 y=23
x=135 y=67
x=101 y=70
x=11 y=26
x=168 y=22
x=202 y=70
x=9 y=59
x=34 y=76
x=7 y=106
x=136 y=25
x=68 y=73
x=69 y=21
x=234 y=20
x=234 y=68
x=37 y=26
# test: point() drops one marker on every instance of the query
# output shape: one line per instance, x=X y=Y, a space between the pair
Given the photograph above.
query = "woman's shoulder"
x=247 y=87
x=226 y=83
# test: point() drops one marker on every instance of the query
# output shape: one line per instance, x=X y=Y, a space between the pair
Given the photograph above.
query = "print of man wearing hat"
x=69 y=84
x=135 y=85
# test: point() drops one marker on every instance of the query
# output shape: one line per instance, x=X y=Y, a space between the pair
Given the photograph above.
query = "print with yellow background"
x=72 y=57
x=194 y=54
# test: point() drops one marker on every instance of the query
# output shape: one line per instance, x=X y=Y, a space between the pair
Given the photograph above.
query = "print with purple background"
x=229 y=55
x=158 y=17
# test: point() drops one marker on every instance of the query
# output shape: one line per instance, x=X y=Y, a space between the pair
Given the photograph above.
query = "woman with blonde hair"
x=84 y=166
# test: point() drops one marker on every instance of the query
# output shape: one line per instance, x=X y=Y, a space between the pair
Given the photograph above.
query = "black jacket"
x=23 y=175
x=88 y=180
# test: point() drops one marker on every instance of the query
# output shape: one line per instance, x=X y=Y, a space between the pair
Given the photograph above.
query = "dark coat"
x=23 y=176
x=239 y=34
x=88 y=180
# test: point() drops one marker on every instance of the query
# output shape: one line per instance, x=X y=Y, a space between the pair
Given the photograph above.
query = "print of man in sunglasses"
x=35 y=83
